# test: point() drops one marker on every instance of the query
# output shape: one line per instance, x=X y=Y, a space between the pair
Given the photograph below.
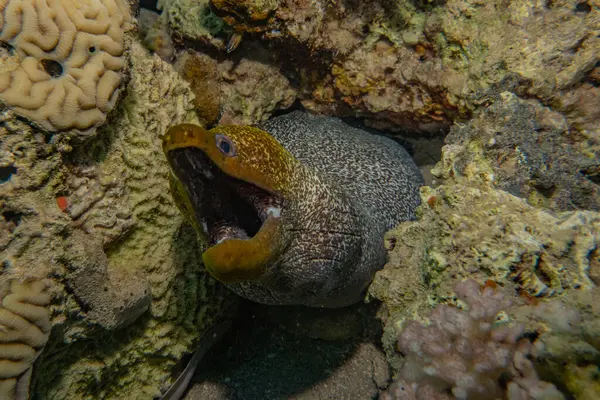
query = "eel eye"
x=225 y=145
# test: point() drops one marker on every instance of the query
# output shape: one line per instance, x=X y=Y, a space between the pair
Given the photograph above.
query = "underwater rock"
x=421 y=65
x=185 y=300
x=566 y=346
x=253 y=89
x=194 y=20
x=245 y=16
x=525 y=149
x=64 y=61
x=155 y=36
x=246 y=91
x=492 y=236
x=112 y=297
x=489 y=234
x=201 y=72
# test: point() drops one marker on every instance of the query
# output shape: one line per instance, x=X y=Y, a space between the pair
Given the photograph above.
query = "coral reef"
x=194 y=20
x=247 y=15
x=468 y=353
x=201 y=72
x=526 y=149
x=112 y=297
x=490 y=235
x=420 y=65
x=567 y=350
x=245 y=92
x=228 y=91
x=24 y=331
x=131 y=295
x=155 y=36
x=253 y=89
x=65 y=61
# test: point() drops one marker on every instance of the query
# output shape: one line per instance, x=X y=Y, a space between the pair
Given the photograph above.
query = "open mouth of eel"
x=224 y=207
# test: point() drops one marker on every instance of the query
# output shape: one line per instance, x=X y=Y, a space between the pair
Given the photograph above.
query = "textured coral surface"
x=131 y=296
x=526 y=149
x=194 y=20
x=548 y=261
x=471 y=353
x=420 y=64
x=69 y=59
x=24 y=330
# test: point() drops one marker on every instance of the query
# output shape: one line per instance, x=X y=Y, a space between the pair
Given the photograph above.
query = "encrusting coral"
x=471 y=353
x=24 y=331
x=489 y=234
x=524 y=148
x=125 y=236
x=98 y=215
x=66 y=63
x=195 y=20
x=549 y=261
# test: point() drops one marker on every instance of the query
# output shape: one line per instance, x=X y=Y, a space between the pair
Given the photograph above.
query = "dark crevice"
x=584 y=7
x=150 y=5
x=12 y=216
x=546 y=191
x=7 y=48
x=6 y=173
x=592 y=173
x=52 y=68
x=85 y=307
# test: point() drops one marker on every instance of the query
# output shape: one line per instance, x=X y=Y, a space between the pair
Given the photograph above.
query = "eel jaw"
x=239 y=219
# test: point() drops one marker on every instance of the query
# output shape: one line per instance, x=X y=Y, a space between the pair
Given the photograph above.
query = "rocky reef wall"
x=105 y=279
x=514 y=197
x=103 y=290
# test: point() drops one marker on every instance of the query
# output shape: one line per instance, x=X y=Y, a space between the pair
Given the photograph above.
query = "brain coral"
x=24 y=330
x=66 y=60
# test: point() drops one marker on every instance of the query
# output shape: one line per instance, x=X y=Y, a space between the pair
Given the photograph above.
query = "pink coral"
x=468 y=353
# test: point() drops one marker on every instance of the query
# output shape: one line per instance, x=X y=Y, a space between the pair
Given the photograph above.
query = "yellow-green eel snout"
x=232 y=196
x=293 y=212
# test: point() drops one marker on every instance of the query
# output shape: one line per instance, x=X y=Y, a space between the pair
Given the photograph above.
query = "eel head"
x=232 y=184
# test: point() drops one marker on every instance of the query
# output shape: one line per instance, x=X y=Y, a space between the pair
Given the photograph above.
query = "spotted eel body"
x=320 y=195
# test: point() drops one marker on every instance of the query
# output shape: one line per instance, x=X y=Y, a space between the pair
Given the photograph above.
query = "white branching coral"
x=24 y=331
x=67 y=60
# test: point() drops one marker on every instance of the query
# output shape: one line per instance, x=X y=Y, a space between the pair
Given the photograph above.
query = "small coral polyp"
x=69 y=60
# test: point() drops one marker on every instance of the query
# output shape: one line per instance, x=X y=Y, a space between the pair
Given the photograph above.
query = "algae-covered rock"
x=246 y=15
x=545 y=261
x=201 y=72
x=526 y=149
x=420 y=65
x=194 y=20
x=245 y=92
x=489 y=234
x=129 y=293
x=253 y=89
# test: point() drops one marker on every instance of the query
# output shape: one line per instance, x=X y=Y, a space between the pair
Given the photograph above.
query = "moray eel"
x=294 y=211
